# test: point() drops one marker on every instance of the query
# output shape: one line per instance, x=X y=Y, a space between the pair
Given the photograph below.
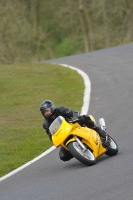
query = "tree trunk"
x=84 y=25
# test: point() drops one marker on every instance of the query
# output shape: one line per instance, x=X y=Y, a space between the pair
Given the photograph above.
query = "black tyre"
x=86 y=157
x=113 y=147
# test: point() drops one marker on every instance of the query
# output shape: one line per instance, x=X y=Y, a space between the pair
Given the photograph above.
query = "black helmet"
x=47 y=105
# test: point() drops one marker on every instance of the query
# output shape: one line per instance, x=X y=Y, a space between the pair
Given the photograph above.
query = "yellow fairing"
x=63 y=132
x=98 y=149
x=64 y=135
x=91 y=139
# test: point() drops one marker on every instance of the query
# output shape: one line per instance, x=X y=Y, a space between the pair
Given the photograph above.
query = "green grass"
x=22 y=88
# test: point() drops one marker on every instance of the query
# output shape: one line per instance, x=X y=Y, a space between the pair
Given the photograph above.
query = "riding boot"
x=101 y=132
x=86 y=120
x=104 y=136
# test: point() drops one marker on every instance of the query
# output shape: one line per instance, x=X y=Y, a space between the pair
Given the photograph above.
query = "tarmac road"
x=111 y=74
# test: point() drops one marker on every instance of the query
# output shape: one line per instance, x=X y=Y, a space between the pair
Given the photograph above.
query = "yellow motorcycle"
x=83 y=143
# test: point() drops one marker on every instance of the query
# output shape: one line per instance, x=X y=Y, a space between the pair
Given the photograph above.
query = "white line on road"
x=84 y=110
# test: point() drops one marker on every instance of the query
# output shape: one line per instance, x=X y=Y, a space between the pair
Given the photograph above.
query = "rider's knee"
x=65 y=155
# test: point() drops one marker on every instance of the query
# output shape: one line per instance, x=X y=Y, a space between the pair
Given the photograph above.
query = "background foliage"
x=32 y=30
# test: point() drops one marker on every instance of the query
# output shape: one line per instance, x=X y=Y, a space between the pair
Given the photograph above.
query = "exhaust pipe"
x=102 y=124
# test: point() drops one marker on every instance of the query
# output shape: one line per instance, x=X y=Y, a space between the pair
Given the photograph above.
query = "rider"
x=50 y=112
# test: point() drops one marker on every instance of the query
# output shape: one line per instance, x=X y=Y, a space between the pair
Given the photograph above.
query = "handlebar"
x=74 y=120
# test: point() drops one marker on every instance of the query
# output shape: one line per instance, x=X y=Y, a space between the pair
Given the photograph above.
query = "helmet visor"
x=47 y=111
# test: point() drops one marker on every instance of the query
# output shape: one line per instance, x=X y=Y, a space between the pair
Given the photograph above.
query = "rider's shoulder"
x=60 y=108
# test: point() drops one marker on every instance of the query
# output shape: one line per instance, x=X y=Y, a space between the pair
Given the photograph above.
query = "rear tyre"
x=86 y=157
x=112 y=148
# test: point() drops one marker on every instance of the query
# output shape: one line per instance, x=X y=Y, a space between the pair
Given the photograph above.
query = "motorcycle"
x=83 y=143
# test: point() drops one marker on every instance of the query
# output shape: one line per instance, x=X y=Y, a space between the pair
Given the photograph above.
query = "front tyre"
x=112 y=148
x=86 y=157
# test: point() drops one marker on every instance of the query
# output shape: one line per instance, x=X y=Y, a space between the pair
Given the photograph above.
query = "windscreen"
x=55 y=125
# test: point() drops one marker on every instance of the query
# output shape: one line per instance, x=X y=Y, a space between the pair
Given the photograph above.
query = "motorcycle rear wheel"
x=113 y=148
x=86 y=157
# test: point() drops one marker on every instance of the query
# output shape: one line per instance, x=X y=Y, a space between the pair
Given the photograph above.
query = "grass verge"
x=22 y=88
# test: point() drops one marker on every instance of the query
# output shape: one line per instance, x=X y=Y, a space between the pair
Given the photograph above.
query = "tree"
x=85 y=26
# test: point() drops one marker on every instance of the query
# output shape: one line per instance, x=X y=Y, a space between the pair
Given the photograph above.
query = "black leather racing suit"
x=83 y=120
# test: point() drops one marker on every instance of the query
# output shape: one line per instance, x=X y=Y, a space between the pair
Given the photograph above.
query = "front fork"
x=80 y=143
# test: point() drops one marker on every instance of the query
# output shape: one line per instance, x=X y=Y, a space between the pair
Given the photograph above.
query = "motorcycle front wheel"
x=84 y=156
